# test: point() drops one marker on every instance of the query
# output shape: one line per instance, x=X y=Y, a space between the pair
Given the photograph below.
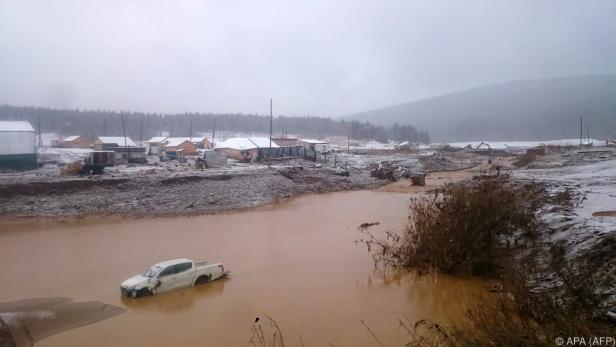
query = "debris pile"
x=342 y=172
x=389 y=171
x=72 y=169
x=200 y=164
x=291 y=172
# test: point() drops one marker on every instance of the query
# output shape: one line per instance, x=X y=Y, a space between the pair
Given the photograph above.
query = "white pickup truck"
x=171 y=274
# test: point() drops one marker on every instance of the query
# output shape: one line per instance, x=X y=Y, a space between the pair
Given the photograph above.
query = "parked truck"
x=170 y=275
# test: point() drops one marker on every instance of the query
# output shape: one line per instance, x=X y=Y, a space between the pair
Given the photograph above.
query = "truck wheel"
x=202 y=279
x=134 y=294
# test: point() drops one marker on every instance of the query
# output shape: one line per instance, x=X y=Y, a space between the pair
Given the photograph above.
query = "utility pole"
x=40 y=136
x=581 y=130
x=123 y=129
x=271 y=122
x=214 y=132
x=588 y=133
x=348 y=140
x=190 y=139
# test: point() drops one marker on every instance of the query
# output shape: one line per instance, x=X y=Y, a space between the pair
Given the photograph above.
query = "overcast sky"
x=319 y=57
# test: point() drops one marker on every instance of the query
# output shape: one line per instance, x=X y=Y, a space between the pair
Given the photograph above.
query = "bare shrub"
x=489 y=227
x=462 y=228
x=266 y=333
x=426 y=333
x=532 y=312
x=544 y=297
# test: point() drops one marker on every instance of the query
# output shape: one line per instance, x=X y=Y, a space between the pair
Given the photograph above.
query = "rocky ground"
x=165 y=189
x=194 y=193
x=171 y=188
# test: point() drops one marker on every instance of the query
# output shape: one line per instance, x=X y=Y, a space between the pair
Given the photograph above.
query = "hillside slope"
x=521 y=110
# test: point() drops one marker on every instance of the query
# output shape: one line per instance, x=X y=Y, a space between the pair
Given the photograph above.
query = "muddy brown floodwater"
x=296 y=261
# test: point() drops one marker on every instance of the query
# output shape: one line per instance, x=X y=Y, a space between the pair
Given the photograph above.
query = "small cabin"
x=125 y=149
x=176 y=144
x=313 y=145
x=104 y=143
x=73 y=141
x=244 y=148
x=155 y=145
x=202 y=142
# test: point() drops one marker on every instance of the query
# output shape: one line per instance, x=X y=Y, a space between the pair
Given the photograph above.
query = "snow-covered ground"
x=374 y=145
x=525 y=144
x=596 y=184
x=62 y=155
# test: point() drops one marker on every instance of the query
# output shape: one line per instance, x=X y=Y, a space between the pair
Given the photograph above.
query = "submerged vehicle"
x=170 y=275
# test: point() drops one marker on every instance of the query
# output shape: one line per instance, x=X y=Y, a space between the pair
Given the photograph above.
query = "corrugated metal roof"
x=15 y=126
x=199 y=139
x=244 y=143
x=157 y=139
x=239 y=143
x=119 y=140
x=175 y=141
x=263 y=142
x=313 y=141
x=71 y=138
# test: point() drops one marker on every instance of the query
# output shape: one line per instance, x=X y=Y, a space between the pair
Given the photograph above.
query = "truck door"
x=185 y=275
x=167 y=279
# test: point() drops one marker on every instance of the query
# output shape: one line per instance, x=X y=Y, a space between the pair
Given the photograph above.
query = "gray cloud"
x=313 y=57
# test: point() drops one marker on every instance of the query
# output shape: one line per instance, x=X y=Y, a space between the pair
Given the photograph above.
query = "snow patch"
x=524 y=144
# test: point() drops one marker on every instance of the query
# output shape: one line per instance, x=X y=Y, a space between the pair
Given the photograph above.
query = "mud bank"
x=173 y=189
x=187 y=194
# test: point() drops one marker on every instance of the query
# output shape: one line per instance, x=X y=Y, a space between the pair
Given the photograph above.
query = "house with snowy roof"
x=73 y=141
x=103 y=143
x=244 y=148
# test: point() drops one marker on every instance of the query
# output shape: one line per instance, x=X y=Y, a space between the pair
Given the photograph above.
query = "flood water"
x=296 y=261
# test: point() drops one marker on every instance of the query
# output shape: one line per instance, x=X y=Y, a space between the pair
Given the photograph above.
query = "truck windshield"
x=153 y=271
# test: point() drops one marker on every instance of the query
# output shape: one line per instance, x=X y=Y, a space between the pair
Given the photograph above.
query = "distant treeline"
x=139 y=125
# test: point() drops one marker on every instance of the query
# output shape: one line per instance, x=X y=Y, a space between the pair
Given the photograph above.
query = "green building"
x=17 y=146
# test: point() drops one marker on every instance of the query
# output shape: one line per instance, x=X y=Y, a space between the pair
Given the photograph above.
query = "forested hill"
x=96 y=123
x=522 y=110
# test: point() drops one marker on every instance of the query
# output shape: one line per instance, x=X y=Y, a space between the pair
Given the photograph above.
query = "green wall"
x=18 y=161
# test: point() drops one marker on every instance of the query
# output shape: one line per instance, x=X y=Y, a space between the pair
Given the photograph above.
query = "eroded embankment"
x=178 y=195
